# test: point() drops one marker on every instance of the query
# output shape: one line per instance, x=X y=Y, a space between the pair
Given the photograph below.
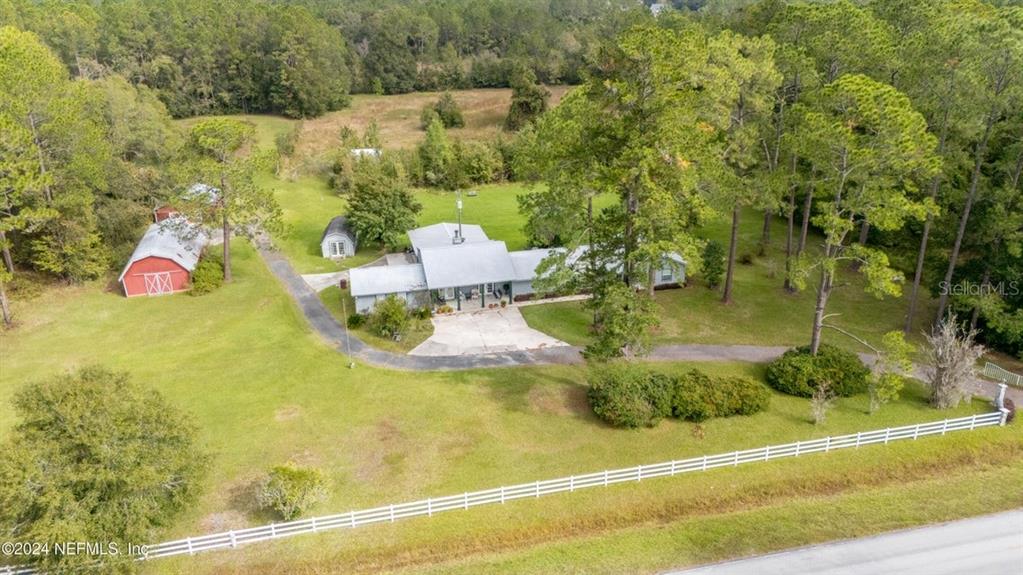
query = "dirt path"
x=334 y=333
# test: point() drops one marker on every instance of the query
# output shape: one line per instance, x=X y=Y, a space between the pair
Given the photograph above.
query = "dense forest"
x=925 y=98
x=302 y=58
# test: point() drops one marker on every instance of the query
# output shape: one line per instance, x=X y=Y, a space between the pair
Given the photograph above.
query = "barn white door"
x=158 y=283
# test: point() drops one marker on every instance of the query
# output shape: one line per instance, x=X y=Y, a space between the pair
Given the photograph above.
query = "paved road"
x=324 y=323
x=989 y=545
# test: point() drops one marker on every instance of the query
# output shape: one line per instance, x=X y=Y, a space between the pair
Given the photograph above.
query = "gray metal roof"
x=338 y=225
x=172 y=239
x=379 y=280
x=525 y=261
x=443 y=234
x=467 y=264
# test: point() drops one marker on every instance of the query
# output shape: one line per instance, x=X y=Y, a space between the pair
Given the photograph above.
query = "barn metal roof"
x=173 y=239
x=379 y=280
x=467 y=264
x=443 y=234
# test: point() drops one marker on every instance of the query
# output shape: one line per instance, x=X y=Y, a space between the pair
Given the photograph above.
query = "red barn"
x=163 y=261
x=163 y=212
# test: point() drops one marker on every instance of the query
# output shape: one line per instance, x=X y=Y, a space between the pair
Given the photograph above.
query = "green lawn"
x=265 y=390
x=761 y=313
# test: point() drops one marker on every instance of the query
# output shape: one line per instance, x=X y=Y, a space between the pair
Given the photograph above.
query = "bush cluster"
x=208 y=274
x=446 y=109
x=356 y=320
x=799 y=373
x=390 y=317
x=291 y=490
x=627 y=395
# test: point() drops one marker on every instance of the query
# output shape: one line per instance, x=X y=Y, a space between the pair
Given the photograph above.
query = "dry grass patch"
x=567 y=400
x=398 y=118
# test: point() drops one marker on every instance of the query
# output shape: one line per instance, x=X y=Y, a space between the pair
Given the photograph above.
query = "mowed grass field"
x=762 y=312
x=264 y=390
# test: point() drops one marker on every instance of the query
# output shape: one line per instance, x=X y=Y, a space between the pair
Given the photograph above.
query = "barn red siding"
x=134 y=279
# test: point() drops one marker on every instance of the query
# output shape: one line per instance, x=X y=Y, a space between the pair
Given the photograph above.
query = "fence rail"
x=995 y=372
x=500 y=495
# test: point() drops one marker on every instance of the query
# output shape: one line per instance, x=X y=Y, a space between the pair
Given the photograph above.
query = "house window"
x=488 y=288
x=449 y=293
x=666 y=272
x=337 y=249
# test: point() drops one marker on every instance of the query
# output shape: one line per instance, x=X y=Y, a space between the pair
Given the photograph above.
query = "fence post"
x=1000 y=397
x=465 y=499
x=887 y=434
x=944 y=427
x=639 y=473
x=538 y=489
x=429 y=504
x=798 y=445
x=827 y=444
x=351 y=515
x=767 y=453
x=1005 y=416
x=273 y=533
x=605 y=478
x=502 y=495
x=735 y=459
x=858 y=440
x=391 y=512
x=916 y=432
x=314 y=525
x=188 y=541
x=973 y=422
x=704 y=468
x=571 y=483
x=234 y=541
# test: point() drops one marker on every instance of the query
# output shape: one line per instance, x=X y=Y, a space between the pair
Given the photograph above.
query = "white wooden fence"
x=994 y=372
x=500 y=495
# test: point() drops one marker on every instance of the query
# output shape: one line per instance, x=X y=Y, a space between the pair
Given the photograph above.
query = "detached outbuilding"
x=163 y=261
x=338 y=240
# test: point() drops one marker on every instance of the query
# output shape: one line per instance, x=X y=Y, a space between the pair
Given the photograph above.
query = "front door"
x=158 y=283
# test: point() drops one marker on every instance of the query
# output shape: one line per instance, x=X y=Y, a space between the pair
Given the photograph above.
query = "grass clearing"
x=397 y=117
x=762 y=313
x=264 y=390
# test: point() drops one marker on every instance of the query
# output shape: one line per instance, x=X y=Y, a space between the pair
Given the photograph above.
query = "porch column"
x=458 y=299
x=483 y=295
x=511 y=297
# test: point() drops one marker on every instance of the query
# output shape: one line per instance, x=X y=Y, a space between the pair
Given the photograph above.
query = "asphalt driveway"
x=483 y=332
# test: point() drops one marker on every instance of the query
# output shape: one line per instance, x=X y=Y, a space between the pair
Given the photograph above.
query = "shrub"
x=208 y=274
x=713 y=263
x=290 y=490
x=625 y=395
x=356 y=320
x=799 y=373
x=427 y=116
x=423 y=313
x=390 y=317
x=698 y=397
x=448 y=111
x=746 y=259
x=620 y=395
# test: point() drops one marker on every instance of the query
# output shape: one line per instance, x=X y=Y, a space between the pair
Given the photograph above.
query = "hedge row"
x=799 y=373
x=627 y=395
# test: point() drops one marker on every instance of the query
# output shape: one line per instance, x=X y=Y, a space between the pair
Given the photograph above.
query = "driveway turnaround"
x=482 y=332
x=988 y=544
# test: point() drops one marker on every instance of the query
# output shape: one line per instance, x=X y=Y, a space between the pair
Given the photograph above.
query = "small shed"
x=338 y=240
x=163 y=261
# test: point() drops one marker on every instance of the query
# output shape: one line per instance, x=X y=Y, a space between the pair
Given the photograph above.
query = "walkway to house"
x=320 y=282
x=483 y=332
x=335 y=334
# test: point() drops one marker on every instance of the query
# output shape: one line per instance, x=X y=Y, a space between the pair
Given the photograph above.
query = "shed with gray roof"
x=338 y=239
